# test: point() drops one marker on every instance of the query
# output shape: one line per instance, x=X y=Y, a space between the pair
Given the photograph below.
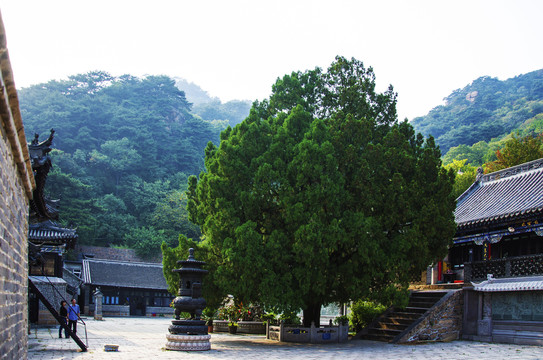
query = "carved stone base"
x=188 y=342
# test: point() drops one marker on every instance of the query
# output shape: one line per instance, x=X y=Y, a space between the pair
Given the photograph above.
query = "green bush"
x=363 y=312
x=290 y=318
x=269 y=316
x=209 y=313
x=343 y=319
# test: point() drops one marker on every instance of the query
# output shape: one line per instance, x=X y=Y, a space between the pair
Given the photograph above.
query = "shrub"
x=209 y=313
x=363 y=312
x=269 y=316
x=291 y=318
x=343 y=319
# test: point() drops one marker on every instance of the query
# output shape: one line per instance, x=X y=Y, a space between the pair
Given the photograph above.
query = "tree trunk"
x=312 y=314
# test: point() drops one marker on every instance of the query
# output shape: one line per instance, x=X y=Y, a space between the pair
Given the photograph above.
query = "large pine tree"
x=321 y=195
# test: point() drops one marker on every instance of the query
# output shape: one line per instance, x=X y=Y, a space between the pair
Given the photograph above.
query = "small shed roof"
x=47 y=280
x=124 y=274
x=502 y=196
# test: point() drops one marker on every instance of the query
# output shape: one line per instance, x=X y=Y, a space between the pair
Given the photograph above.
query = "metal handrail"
x=62 y=297
x=55 y=314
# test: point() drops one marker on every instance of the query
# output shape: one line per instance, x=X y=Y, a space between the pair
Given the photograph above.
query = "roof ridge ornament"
x=42 y=210
x=480 y=173
x=514 y=170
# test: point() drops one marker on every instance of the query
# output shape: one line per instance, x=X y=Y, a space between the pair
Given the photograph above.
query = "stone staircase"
x=394 y=322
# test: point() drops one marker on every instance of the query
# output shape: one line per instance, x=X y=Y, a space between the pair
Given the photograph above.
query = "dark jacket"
x=63 y=312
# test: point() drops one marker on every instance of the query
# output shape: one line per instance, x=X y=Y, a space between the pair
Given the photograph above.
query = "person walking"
x=73 y=315
x=63 y=312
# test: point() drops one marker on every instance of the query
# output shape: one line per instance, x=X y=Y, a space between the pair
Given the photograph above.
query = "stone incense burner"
x=190 y=333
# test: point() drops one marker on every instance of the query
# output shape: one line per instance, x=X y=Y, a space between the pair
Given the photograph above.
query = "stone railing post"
x=467 y=272
x=313 y=333
x=281 y=330
x=343 y=332
x=484 y=327
x=507 y=267
x=98 y=296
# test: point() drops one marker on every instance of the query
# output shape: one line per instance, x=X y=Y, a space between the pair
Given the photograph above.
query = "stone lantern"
x=189 y=334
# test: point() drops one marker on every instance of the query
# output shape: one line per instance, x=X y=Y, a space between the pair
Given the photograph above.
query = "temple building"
x=129 y=288
x=500 y=216
x=130 y=285
x=497 y=252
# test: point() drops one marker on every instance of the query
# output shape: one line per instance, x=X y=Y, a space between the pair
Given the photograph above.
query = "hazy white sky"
x=236 y=49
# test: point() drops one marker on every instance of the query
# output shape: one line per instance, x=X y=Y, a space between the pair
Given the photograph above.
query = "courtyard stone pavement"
x=144 y=338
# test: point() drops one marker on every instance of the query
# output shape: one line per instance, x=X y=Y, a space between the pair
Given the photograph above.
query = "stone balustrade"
x=314 y=335
x=244 y=327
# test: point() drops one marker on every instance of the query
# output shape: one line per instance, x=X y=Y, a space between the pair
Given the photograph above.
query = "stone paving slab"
x=144 y=338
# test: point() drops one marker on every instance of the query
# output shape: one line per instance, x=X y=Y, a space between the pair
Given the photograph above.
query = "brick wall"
x=16 y=185
x=13 y=257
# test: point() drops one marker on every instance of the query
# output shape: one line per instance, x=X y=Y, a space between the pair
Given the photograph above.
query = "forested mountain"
x=194 y=93
x=211 y=108
x=125 y=147
x=485 y=109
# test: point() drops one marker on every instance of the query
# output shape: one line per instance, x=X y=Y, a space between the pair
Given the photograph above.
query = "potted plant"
x=209 y=323
x=208 y=315
x=232 y=327
x=233 y=313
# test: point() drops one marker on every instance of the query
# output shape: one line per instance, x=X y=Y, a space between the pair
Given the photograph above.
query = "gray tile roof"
x=50 y=233
x=123 y=274
x=108 y=253
x=504 y=195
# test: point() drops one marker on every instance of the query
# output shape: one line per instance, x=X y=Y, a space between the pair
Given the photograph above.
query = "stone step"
x=415 y=310
x=391 y=326
x=377 y=337
x=387 y=332
x=428 y=294
x=403 y=315
x=429 y=301
x=421 y=304
x=396 y=321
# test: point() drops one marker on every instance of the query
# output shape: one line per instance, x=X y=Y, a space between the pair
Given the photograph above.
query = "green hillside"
x=484 y=110
x=124 y=149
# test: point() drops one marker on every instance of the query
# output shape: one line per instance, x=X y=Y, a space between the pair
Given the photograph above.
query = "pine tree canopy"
x=320 y=195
